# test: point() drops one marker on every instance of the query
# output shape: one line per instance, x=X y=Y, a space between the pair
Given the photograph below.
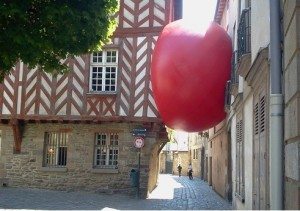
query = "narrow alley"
x=172 y=192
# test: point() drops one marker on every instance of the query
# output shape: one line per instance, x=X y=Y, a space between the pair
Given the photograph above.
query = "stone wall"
x=291 y=30
x=196 y=163
x=154 y=167
x=220 y=159
x=197 y=141
x=182 y=158
x=162 y=161
x=25 y=169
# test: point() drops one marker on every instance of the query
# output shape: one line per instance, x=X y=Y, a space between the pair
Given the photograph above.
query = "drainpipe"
x=276 y=109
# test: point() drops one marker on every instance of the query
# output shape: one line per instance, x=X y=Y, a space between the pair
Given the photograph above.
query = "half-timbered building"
x=74 y=131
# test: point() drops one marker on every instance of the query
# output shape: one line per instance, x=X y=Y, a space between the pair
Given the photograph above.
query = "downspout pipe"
x=276 y=109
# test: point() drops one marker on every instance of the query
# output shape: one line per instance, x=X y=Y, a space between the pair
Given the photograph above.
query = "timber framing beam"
x=161 y=146
x=17 y=127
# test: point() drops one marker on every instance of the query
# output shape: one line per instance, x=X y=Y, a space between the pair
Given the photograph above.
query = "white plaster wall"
x=232 y=20
x=241 y=84
x=233 y=155
x=248 y=149
x=260 y=26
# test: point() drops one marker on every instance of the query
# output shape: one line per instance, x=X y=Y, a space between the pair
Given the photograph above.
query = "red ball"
x=189 y=71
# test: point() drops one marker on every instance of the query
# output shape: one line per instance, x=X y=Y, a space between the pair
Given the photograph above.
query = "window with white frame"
x=103 y=72
x=55 y=149
x=106 y=150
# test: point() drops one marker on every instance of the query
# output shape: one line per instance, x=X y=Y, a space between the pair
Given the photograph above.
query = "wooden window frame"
x=106 y=150
x=55 y=149
x=260 y=189
x=103 y=73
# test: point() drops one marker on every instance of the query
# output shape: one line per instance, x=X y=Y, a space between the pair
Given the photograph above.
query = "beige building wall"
x=198 y=142
x=219 y=164
x=194 y=151
x=291 y=30
x=248 y=149
x=182 y=158
x=260 y=26
x=162 y=161
x=26 y=170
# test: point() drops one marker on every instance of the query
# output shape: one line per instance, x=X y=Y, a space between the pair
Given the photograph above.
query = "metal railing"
x=227 y=95
x=234 y=61
x=244 y=33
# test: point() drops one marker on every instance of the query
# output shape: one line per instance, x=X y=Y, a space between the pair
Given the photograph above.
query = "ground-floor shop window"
x=106 y=150
x=55 y=149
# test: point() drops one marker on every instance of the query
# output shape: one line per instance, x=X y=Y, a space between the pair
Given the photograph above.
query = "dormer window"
x=103 y=72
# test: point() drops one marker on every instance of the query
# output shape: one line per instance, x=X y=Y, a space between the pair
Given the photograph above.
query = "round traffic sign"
x=139 y=142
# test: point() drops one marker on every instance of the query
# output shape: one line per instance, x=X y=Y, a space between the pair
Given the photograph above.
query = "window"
x=240 y=176
x=55 y=149
x=103 y=73
x=195 y=153
x=244 y=33
x=106 y=150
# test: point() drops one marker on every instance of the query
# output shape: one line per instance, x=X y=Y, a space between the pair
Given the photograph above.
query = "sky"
x=199 y=12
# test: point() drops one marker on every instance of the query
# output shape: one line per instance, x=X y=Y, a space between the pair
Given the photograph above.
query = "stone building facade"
x=75 y=131
x=26 y=170
x=198 y=152
x=291 y=71
x=249 y=119
x=175 y=153
x=219 y=173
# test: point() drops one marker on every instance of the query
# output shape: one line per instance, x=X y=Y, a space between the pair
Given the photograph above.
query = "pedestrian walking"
x=179 y=170
x=190 y=172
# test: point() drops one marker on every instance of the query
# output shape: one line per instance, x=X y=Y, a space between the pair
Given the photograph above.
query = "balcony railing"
x=234 y=61
x=244 y=33
x=227 y=95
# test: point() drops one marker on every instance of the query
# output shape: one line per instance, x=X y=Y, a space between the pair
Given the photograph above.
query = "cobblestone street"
x=172 y=192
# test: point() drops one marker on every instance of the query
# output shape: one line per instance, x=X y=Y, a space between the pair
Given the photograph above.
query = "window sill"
x=97 y=94
x=104 y=171
x=54 y=169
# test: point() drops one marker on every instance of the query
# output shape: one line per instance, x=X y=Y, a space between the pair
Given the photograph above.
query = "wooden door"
x=260 y=162
x=202 y=162
x=256 y=155
x=169 y=167
x=210 y=171
x=229 y=193
x=206 y=169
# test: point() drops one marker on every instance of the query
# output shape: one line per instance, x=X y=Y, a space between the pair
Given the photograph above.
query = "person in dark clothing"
x=179 y=170
x=190 y=171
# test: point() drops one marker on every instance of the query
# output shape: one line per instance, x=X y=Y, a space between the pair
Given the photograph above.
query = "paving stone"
x=172 y=192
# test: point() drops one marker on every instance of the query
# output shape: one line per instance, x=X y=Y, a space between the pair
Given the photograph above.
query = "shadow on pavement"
x=172 y=192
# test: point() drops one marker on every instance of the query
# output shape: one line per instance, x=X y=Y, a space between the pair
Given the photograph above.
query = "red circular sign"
x=139 y=142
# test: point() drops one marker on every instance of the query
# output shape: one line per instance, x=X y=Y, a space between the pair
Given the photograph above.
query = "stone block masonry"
x=291 y=26
x=26 y=169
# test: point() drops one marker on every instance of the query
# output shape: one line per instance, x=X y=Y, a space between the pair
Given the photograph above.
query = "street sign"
x=139 y=142
x=139 y=132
